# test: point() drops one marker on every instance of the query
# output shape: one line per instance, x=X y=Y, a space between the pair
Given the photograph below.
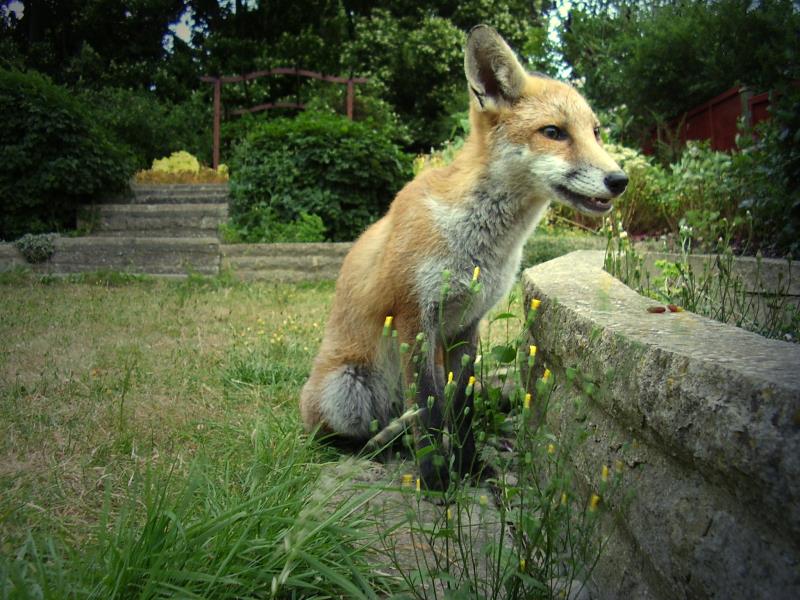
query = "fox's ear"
x=493 y=72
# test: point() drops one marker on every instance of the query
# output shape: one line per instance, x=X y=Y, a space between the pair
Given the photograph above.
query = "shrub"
x=768 y=168
x=181 y=167
x=53 y=156
x=36 y=248
x=345 y=172
x=260 y=226
x=149 y=128
x=699 y=190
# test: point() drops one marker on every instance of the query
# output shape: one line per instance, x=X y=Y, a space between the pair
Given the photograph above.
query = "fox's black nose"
x=616 y=182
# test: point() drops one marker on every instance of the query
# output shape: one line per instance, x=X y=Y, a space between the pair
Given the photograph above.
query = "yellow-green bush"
x=182 y=167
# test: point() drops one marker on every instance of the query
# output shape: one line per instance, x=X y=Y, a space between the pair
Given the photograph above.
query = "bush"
x=53 y=156
x=699 y=191
x=36 y=248
x=261 y=226
x=345 y=172
x=150 y=129
x=768 y=168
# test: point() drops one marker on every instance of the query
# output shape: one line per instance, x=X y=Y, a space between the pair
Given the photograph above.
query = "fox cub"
x=533 y=139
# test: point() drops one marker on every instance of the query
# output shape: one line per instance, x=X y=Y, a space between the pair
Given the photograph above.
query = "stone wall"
x=706 y=418
x=285 y=262
x=758 y=275
x=177 y=257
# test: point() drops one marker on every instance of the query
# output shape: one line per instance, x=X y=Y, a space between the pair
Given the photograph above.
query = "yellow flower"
x=471 y=380
x=551 y=448
x=533 y=351
x=450 y=377
x=527 y=404
x=546 y=375
x=476 y=273
x=604 y=473
x=535 y=303
x=594 y=503
x=388 y=322
x=407 y=480
x=449 y=515
x=419 y=485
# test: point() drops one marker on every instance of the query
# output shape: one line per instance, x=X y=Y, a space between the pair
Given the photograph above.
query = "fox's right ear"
x=495 y=77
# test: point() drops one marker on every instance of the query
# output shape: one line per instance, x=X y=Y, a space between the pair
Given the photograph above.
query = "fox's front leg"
x=434 y=464
x=454 y=412
x=460 y=360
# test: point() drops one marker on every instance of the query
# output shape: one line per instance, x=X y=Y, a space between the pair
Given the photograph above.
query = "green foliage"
x=538 y=535
x=36 y=248
x=768 y=170
x=53 y=156
x=660 y=59
x=149 y=128
x=260 y=225
x=344 y=172
x=542 y=246
x=699 y=191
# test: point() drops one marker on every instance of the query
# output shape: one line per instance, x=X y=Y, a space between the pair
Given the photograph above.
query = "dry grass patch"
x=99 y=381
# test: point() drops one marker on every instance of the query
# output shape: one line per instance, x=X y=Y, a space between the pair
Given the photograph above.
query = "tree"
x=662 y=58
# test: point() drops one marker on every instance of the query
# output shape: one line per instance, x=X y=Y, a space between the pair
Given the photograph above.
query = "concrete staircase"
x=165 y=230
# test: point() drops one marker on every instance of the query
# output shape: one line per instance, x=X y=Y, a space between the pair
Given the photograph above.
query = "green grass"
x=150 y=443
x=151 y=446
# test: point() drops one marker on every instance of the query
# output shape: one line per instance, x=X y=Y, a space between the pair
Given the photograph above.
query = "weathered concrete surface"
x=284 y=262
x=707 y=419
x=155 y=256
x=10 y=257
x=774 y=274
x=159 y=220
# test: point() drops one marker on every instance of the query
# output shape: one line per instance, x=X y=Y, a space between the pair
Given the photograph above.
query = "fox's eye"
x=554 y=133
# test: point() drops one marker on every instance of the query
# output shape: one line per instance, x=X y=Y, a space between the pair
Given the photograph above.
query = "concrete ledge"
x=154 y=256
x=771 y=273
x=10 y=257
x=710 y=417
x=285 y=262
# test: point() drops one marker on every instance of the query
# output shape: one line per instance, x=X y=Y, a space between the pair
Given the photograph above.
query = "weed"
x=716 y=290
x=533 y=533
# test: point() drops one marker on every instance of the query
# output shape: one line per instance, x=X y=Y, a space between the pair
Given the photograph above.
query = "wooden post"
x=350 y=95
x=217 y=111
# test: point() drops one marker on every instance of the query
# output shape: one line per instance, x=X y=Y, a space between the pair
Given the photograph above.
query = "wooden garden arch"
x=219 y=80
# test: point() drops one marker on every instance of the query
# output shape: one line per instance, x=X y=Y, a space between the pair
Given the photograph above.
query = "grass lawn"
x=150 y=447
x=150 y=442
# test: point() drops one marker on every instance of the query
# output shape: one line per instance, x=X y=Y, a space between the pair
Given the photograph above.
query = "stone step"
x=177 y=194
x=159 y=220
x=153 y=256
x=284 y=262
x=273 y=250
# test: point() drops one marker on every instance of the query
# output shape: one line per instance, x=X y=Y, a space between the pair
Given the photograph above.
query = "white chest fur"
x=489 y=231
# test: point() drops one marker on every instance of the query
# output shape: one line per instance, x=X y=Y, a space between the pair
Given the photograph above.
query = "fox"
x=533 y=140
